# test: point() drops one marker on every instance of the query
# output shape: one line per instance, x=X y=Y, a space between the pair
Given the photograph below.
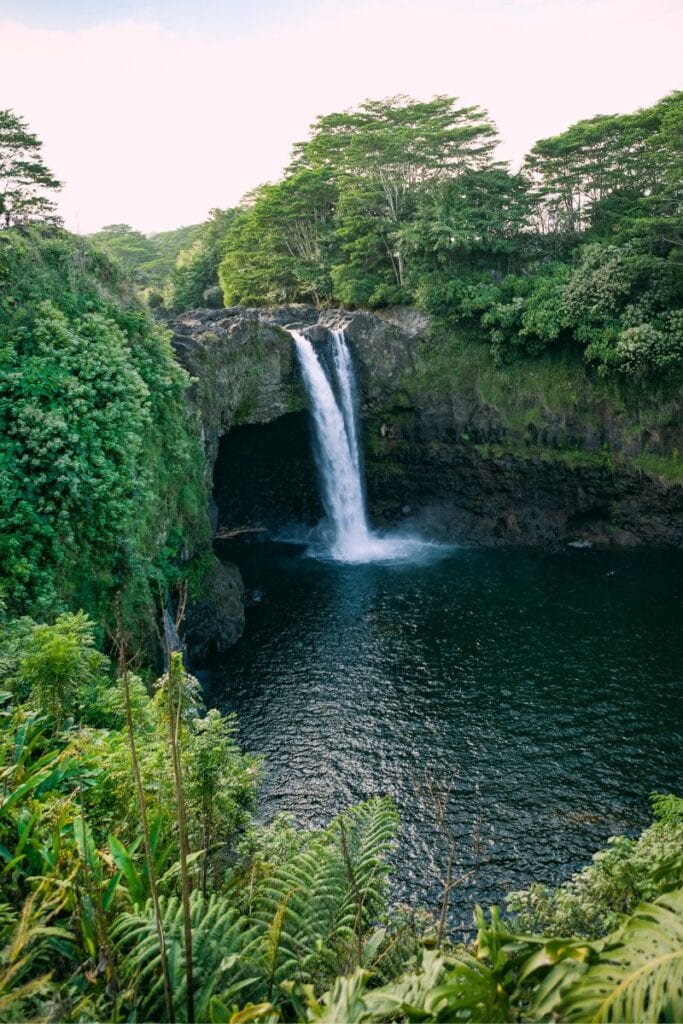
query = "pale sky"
x=155 y=112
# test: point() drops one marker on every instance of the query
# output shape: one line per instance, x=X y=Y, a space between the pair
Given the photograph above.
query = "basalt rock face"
x=387 y=349
x=243 y=365
x=215 y=621
x=243 y=372
x=452 y=492
x=536 y=453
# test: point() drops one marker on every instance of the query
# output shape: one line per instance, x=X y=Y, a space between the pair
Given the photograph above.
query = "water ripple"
x=544 y=689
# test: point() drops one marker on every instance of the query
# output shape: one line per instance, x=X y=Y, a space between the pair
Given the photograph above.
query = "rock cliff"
x=541 y=452
x=242 y=364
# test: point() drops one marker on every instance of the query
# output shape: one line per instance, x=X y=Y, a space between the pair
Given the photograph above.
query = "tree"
x=609 y=169
x=193 y=280
x=476 y=220
x=278 y=248
x=133 y=249
x=381 y=155
x=24 y=178
x=148 y=259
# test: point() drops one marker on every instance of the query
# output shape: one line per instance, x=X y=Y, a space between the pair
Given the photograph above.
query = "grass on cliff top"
x=555 y=380
x=557 y=384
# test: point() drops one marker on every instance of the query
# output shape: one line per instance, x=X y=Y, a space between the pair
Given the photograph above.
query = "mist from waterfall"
x=346 y=534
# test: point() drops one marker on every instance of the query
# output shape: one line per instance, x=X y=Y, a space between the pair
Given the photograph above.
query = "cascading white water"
x=338 y=457
x=337 y=448
x=345 y=379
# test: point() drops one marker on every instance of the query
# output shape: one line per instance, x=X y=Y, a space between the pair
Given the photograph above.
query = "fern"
x=308 y=920
x=219 y=938
x=639 y=974
x=312 y=912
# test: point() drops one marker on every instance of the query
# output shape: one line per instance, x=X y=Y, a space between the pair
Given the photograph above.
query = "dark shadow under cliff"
x=265 y=477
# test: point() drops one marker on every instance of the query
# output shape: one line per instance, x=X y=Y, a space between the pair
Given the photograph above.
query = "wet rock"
x=215 y=621
x=467 y=495
x=243 y=367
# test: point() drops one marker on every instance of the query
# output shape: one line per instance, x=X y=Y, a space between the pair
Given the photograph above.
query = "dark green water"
x=544 y=688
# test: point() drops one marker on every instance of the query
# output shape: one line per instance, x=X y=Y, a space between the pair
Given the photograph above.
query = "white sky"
x=152 y=124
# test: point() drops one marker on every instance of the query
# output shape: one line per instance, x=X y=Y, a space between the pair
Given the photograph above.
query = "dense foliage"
x=193 y=280
x=404 y=202
x=148 y=259
x=101 y=470
x=334 y=227
x=401 y=201
x=130 y=892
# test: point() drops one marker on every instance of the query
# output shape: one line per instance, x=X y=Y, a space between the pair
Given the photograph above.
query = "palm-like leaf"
x=306 y=917
x=444 y=988
x=639 y=976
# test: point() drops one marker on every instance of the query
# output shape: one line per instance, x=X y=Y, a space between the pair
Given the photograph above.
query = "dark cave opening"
x=265 y=478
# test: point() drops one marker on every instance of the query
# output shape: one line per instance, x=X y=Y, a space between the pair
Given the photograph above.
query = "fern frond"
x=324 y=898
x=219 y=937
x=639 y=975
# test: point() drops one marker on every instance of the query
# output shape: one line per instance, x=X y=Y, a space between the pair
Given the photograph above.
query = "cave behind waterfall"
x=265 y=477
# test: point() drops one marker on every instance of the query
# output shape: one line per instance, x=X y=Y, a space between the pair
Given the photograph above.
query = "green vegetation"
x=278 y=924
x=174 y=269
x=194 y=278
x=135 y=883
x=337 y=227
x=147 y=259
x=403 y=201
x=620 y=877
x=101 y=468
x=24 y=178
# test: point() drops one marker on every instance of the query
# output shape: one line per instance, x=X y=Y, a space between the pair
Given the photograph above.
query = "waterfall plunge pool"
x=545 y=688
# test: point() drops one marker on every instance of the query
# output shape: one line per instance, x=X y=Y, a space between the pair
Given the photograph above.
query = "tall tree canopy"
x=24 y=178
x=381 y=155
x=193 y=278
x=148 y=259
x=609 y=167
x=403 y=201
x=334 y=224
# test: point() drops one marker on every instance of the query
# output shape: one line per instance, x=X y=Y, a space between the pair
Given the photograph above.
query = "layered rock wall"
x=540 y=452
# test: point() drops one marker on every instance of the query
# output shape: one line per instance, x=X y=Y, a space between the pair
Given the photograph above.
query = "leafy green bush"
x=624 y=304
x=621 y=304
x=620 y=877
x=101 y=468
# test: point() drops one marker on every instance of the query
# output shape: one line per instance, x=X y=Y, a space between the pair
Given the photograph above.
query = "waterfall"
x=336 y=447
x=344 y=372
x=332 y=396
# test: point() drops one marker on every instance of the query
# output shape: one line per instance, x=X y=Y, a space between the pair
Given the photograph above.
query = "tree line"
x=401 y=201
